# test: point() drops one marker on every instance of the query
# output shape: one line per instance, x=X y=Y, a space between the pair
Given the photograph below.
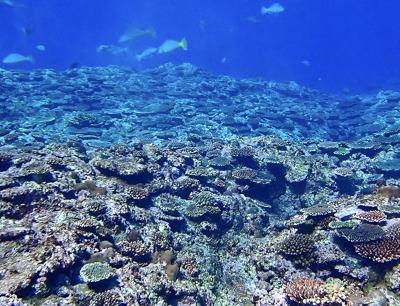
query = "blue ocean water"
x=332 y=45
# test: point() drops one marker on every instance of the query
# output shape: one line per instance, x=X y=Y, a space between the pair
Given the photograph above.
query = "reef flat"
x=197 y=213
x=103 y=106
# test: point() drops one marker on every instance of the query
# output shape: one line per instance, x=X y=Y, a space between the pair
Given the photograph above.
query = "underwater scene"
x=199 y=153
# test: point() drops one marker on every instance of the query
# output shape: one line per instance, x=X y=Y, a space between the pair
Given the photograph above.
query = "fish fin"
x=30 y=59
x=183 y=44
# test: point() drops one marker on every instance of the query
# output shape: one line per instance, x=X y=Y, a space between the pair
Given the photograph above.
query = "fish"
x=41 y=48
x=275 y=8
x=146 y=53
x=113 y=50
x=26 y=31
x=202 y=24
x=12 y=3
x=170 y=45
x=74 y=65
x=15 y=58
x=306 y=63
x=252 y=19
x=136 y=33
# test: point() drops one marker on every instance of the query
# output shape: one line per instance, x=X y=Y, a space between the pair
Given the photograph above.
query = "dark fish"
x=74 y=65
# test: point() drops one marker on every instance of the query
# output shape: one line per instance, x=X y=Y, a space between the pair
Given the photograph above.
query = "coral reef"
x=176 y=187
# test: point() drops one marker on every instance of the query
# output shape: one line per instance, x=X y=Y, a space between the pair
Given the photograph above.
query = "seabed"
x=174 y=186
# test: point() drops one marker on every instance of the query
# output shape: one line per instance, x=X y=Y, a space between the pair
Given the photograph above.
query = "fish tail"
x=264 y=10
x=30 y=59
x=183 y=44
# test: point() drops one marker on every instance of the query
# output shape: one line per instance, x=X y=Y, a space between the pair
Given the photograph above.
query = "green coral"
x=342 y=224
x=96 y=272
x=297 y=173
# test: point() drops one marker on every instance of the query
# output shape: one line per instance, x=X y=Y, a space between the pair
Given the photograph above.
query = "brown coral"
x=389 y=192
x=297 y=244
x=382 y=251
x=136 y=192
x=394 y=230
x=374 y=216
x=305 y=290
x=135 y=249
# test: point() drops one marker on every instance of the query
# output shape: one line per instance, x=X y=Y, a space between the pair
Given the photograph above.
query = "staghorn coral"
x=87 y=225
x=394 y=230
x=137 y=249
x=374 y=216
x=305 y=290
x=136 y=192
x=297 y=244
x=105 y=298
x=382 y=251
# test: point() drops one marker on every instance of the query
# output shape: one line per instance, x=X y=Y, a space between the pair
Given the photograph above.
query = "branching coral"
x=305 y=290
x=374 y=216
x=297 y=244
x=382 y=251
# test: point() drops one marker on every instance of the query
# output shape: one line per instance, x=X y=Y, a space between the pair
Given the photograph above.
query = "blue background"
x=352 y=44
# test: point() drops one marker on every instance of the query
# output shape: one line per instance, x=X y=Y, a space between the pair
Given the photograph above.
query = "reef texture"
x=106 y=105
x=203 y=218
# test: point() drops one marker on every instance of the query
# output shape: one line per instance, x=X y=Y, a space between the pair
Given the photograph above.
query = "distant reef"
x=108 y=105
x=176 y=187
